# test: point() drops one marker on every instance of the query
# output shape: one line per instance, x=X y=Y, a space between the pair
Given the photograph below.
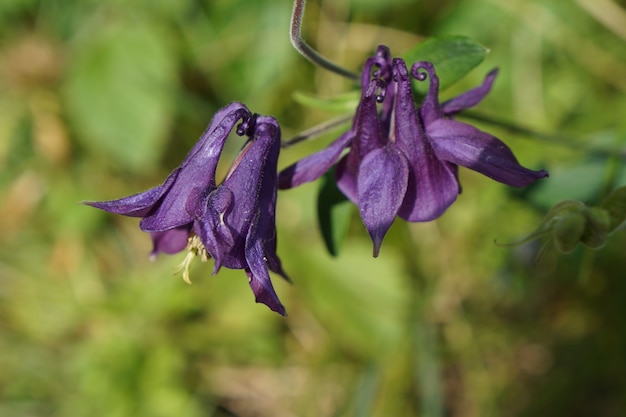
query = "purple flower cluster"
x=234 y=221
x=402 y=160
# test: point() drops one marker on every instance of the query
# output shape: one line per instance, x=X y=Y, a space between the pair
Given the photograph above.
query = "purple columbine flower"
x=403 y=161
x=234 y=222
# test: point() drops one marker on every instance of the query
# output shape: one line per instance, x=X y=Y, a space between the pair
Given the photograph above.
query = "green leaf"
x=334 y=212
x=453 y=57
x=346 y=102
x=119 y=93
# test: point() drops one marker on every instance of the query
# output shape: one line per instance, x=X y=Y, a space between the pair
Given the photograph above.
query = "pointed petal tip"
x=96 y=204
x=377 y=235
x=529 y=177
x=264 y=292
x=542 y=173
x=104 y=206
x=277 y=308
x=272 y=303
x=376 y=249
x=127 y=206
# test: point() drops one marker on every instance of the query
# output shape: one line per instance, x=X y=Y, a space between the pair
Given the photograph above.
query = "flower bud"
x=596 y=228
x=568 y=230
x=572 y=222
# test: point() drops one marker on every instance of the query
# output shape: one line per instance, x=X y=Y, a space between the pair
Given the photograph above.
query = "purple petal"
x=196 y=172
x=136 y=205
x=257 y=271
x=266 y=225
x=368 y=136
x=214 y=234
x=260 y=245
x=470 y=98
x=245 y=183
x=367 y=126
x=253 y=185
x=432 y=185
x=314 y=166
x=211 y=142
x=263 y=294
x=465 y=145
x=408 y=131
x=432 y=188
x=430 y=109
x=382 y=184
x=346 y=176
x=170 y=241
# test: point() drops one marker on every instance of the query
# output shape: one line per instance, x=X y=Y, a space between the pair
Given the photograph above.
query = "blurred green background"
x=99 y=100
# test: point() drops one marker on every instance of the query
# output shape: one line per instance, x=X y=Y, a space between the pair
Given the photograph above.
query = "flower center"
x=194 y=248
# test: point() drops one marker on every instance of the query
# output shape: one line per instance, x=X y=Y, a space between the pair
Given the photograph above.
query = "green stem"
x=307 y=51
x=317 y=130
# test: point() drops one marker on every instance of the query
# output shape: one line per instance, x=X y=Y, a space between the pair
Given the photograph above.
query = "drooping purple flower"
x=403 y=161
x=233 y=222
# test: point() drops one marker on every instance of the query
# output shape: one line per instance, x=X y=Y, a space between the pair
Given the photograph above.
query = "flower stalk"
x=304 y=49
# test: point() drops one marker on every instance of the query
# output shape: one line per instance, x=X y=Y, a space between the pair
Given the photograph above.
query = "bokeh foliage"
x=102 y=99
